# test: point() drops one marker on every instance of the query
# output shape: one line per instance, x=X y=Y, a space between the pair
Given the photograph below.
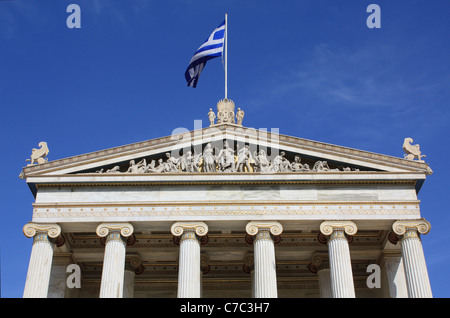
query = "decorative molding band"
x=30 y=229
x=274 y=227
x=227 y=182
x=175 y=212
x=126 y=229
x=327 y=227
x=200 y=228
x=422 y=226
x=68 y=205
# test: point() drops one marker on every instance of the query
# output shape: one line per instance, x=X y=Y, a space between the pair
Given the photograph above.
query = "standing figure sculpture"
x=226 y=158
x=211 y=116
x=262 y=164
x=244 y=159
x=239 y=116
x=209 y=160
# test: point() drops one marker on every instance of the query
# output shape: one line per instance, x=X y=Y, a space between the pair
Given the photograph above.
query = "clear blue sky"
x=313 y=69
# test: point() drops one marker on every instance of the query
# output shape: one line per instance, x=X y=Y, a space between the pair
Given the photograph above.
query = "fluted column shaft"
x=113 y=266
x=320 y=265
x=341 y=274
x=128 y=283
x=416 y=272
x=111 y=285
x=189 y=267
x=325 y=283
x=265 y=275
x=133 y=267
x=189 y=277
x=39 y=268
x=417 y=280
x=265 y=266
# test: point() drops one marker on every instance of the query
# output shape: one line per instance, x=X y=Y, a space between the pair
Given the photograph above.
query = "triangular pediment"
x=190 y=152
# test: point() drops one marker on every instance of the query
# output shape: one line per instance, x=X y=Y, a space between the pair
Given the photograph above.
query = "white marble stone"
x=265 y=276
x=416 y=272
x=39 y=268
x=342 y=284
x=325 y=283
x=128 y=284
x=113 y=267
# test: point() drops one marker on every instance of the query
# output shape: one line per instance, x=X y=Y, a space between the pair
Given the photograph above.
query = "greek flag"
x=213 y=47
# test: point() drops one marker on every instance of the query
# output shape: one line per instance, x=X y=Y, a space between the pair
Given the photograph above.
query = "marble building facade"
x=227 y=211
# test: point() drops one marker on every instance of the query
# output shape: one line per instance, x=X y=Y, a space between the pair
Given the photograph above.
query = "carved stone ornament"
x=52 y=230
x=126 y=229
x=274 y=227
x=211 y=117
x=227 y=158
x=349 y=227
x=225 y=112
x=412 y=151
x=422 y=226
x=200 y=228
x=133 y=262
x=318 y=262
x=38 y=155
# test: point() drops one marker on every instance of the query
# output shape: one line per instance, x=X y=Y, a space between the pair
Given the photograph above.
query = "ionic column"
x=133 y=267
x=265 y=282
x=416 y=273
x=114 y=258
x=342 y=285
x=39 y=268
x=189 y=277
x=320 y=265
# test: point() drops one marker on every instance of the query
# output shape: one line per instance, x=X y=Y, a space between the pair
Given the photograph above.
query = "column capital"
x=421 y=225
x=349 y=227
x=53 y=230
x=319 y=261
x=200 y=228
x=253 y=227
x=126 y=229
x=133 y=262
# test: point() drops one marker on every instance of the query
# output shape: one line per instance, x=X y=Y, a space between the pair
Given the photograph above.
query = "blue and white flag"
x=213 y=47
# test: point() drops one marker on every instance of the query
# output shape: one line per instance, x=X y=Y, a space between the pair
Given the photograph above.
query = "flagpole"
x=226 y=49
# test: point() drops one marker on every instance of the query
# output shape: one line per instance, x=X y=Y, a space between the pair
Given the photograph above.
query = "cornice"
x=222 y=182
x=216 y=133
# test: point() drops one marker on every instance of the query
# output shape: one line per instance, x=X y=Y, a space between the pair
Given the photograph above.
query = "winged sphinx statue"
x=412 y=151
x=38 y=155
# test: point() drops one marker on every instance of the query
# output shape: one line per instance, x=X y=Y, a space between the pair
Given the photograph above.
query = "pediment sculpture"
x=226 y=114
x=227 y=159
x=412 y=151
x=38 y=155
